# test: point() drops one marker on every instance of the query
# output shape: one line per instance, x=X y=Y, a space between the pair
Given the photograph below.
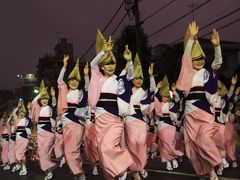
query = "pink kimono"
x=5 y=143
x=44 y=117
x=230 y=131
x=58 y=144
x=167 y=113
x=71 y=107
x=109 y=125
x=23 y=131
x=90 y=142
x=134 y=105
x=151 y=137
x=12 y=141
x=200 y=88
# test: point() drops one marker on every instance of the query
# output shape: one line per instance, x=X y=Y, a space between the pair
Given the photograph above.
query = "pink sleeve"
x=158 y=106
x=184 y=82
x=95 y=86
x=35 y=108
x=62 y=98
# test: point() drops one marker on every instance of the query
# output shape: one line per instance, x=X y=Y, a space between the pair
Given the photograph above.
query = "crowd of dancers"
x=121 y=124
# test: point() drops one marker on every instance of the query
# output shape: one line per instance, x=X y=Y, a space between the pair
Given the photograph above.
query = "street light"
x=35 y=91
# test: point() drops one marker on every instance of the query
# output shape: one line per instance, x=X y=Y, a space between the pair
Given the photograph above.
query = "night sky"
x=30 y=28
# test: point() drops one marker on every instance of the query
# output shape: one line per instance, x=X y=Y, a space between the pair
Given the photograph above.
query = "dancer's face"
x=198 y=64
x=44 y=102
x=73 y=84
x=137 y=82
x=109 y=69
x=165 y=99
x=21 y=115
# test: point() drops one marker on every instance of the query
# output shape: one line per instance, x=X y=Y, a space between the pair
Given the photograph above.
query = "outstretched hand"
x=215 y=38
x=107 y=46
x=127 y=54
x=86 y=69
x=52 y=92
x=159 y=84
x=193 y=29
x=65 y=60
x=237 y=91
x=150 y=69
x=234 y=80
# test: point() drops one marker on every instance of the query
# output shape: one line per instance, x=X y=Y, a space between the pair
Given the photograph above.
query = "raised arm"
x=86 y=76
x=153 y=87
x=232 y=87
x=54 y=101
x=192 y=31
x=63 y=70
x=127 y=54
x=216 y=64
x=94 y=63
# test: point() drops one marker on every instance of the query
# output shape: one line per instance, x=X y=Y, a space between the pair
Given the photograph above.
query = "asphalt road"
x=155 y=168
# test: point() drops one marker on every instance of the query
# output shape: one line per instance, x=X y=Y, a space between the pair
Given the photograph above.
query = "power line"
x=120 y=22
x=205 y=20
x=173 y=22
x=221 y=18
x=157 y=11
x=209 y=24
x=223 y=27
x=109 y=22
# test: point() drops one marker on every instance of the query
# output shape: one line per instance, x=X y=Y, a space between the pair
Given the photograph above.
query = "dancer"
x=44 y=116
x=23 y=131
x=134 y=104
x=71 y=107
x=199 y=86
x=103 y=100
x=167 y=111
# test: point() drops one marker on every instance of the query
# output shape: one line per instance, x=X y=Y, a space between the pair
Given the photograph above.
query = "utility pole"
x=135 y=10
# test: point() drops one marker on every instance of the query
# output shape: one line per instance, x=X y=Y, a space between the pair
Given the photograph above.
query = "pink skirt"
x=90 y=142
x=45 y=146
x=21 y=148
x=136 y=138
x=72 y=138
x=180 y=142
x=113 y=158
x=230 y=141
x=167 y=144
x=199 y=144
x=5 y=149
x=58 y=146
x=11 y=152
x=218 y=137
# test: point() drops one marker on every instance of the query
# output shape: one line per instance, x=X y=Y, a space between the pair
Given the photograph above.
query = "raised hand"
x=52 y=92
x=150 y=69
x=159 y=84
x=234 y=80
x=65 y=60
x=237 y=91
x=173 y=87
x=107 y=46
x=86 y=69
x=193 y=29
x=215 y=38
x=127 y=54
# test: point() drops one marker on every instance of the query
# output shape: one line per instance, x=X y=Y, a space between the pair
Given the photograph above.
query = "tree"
x=128 y=36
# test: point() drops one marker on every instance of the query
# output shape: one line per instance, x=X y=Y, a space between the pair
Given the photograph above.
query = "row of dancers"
x=117 y=119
